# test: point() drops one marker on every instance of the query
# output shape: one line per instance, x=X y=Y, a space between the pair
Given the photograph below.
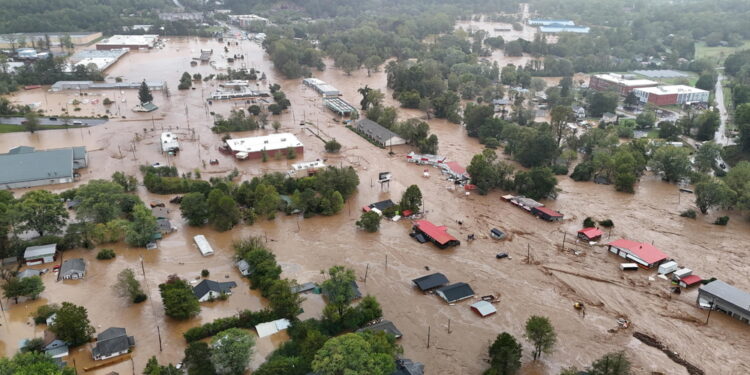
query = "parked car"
x=501 y=255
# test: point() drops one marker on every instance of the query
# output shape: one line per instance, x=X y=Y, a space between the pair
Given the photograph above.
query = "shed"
x=203 y=246
x=431 y=281
x=690 y=280
x=483 y=308
x=270 y=328
x=28 y=273
x=455 y=292
x=207 y=290
x=386 y=326
x=306 y=287
x=34 y=255
x=590 y=234
x=73 y=269
x=547 y=213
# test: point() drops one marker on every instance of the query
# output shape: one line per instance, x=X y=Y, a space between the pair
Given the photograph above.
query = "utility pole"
x=710 y=309
x=563 y=243
x=367 y=270
x=428 y=337
x=158 y=331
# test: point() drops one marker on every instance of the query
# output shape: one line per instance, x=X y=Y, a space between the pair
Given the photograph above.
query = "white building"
x=132 y=42
x=253 y=147
x=169 y=142
x=203 y=246
x=306 y=168
x=670 y=95
x=321 y=87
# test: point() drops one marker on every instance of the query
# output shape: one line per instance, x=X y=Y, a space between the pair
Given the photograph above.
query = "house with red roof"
x=644 y=254
x=689 y=281
x=590 y=234
x=546 y=213
x=436 y=234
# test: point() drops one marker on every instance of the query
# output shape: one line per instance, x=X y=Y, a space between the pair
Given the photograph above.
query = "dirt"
x=304 y=247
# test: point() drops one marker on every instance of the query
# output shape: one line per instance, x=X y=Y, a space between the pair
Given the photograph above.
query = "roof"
x=160 y=212
x=456 y=168
x=28 y=273
x=112 y=340
x=720 y=289
x=308 y=165
x=304 y=287
x=164 y=225
x=691 y=280
x=36 y=165
x=672 y=89
x=382 y=205
x=270 y=328
x=33 y=252
x=269 y=142
x=244 y=267
x=203 y=246
x=591 y=232
x=456 y=292
x=206 y=286
x=621 y=80
x=645 y=251
x=439 y=234
x=110 y=333
x=408 y=367
x=483 y=308
x=543 y=22
x=386 y=326
x=548 y=211
x=355 y=287
x=375 y=130
x=73 y=265
x=557 y=28
x=131 y=40
x=430 y=281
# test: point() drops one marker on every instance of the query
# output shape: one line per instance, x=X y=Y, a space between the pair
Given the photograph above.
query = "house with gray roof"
x=718 y=295
x=208 y=290
x=112 y=342
x=29 y=273
x=24 y=166
x=73 y=269
x=378 y=133
x=53 y=346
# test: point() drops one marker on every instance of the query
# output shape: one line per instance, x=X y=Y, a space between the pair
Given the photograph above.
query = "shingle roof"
x=28 y=273
x=206 y=286
x=73 y=265
x=430 y=281
x=112 y=340
x=375 y=130
x=37 y=165
x=456 y=292
x=385 y=325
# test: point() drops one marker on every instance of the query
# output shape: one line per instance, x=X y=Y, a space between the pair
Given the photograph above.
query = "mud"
x=548 y=286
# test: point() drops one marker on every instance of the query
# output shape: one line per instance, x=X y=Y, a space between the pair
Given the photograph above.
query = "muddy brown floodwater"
x=548 y=286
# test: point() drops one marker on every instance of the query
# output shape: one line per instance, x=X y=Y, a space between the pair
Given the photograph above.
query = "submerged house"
x=113 y=342
x=455 y=292
x=208 y=290
x=34 y=255
x=386 y=326
x=431 y=281
x=644 y=254
x=73 y=269
x=718 y=295
x=590 y=234
x=378 y=133
x=437 y=234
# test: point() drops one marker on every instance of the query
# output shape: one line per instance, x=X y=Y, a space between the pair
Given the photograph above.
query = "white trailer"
x=679 y=274
x=668 y=267
x=203 y=246
x=169 y=142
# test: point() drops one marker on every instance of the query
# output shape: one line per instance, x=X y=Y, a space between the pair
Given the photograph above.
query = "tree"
x=32 y=363
x=198 y=359
x=231 y=351
x=538 y=84
x=669 y=130
x=41 y=211
x=178 y=299
x=369 y=221
x=128 y=286
x=537 y=183
x=738 y=179
x=72 y=324
x=559 y=118
x=254 y=110
x=129 y=183
x=372 y=63
x=348 y=62
x=266 y=201
x=713 y=192
x=30 y=287
x=100 y=201
x=223 y=212
x=284 y=302
x=542 y=335
x=355 y=354
x=707 y=155
x=144 y=93
x=505 y=355
x=333 y=146
x=141 y=230
x=706 y=81
x=194 y=208
x=428 y=145
x=185 y=81
x=365 y=102
x=742 y=119
x=631 y=100
x=33 y=345
x=707 y=123
x=411 y=199
x=646 y=119
x=611 y=364
x=31 y=122
x=673 y=162
x=602 y=102
x=488 y=173
x=338 y=287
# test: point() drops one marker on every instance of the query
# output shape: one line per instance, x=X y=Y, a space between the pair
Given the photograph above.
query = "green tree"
x=738 y=179
x=72 y=324
x=707 y=155
x=223 y=212
x=333 y=146
x=144 y=93
x=283 y=301
x=198 y=359
x=488 y=173
x=631 y=100
x=231 y=351
x=338 y=288
x=194 y=208
x=537 y=183
x=673 y=162
x=541 y=334
x=41 y=211
x=505 y=355
x=31 y=122
x=267 y=201
x=185 y=81
x=611 y=364
x=707 y=122
x=354 y=354
x=129 y=183
x=143 y=227
x=411 y=199
x=742 y=119
x=711 y=193
x=276 y=125
x=100 y=201
x=669 y=131
x=602 y=102
x=32 y=363
x=372 y=63
x=30 y=287
x=369 y=221
x=348 y=62
x=128 y=286
x=706 y=81
x=179 y=301
x=33 y=345
x=646 y=119
x=560 y=115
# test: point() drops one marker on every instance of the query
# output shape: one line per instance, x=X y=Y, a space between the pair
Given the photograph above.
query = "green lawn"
x=5 y=128
x=717 y=54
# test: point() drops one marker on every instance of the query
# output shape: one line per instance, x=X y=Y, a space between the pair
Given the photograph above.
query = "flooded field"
x=548 y=285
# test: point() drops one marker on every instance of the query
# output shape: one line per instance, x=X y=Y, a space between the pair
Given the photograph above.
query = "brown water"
x=549 y=286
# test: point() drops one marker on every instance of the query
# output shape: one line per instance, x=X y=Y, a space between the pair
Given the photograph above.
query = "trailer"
x=203 y=246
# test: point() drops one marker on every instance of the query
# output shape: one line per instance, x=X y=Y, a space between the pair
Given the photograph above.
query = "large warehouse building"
x=671 y=95
x=272 y=144
x=24 y=167
x=620 y=83
x=132 y=42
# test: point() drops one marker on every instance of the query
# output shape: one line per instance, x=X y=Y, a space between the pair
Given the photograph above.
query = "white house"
x=208 y=290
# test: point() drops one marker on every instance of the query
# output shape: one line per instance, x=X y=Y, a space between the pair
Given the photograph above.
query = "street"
x=47 y=121
x=721 y=134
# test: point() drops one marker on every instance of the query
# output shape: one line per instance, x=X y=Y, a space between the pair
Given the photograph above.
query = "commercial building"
x=169 y=142
x=91 y=85
x=254 y=147
x=112 y=342
x=78 y=39
x=24 y=166
x=620 y=83
x=555 y=28
x=101 y=59
x=437 y=234
x=245 y=20
x=132 y=42
x=671 y=95
x=718 y=295
x=306 y=169
x=645 y=254
x=321 y=87
x=378 y=133
x=339 y=106
x=543 y=22
x=547 y=214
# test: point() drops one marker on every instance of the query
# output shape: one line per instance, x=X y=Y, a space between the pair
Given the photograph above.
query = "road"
x=721 y=134
x=46 y=121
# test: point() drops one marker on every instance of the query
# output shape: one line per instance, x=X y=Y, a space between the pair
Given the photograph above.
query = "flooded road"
x=549 y=285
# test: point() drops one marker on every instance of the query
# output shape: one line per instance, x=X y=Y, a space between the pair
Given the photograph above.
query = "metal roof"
x=455 y=292
x=375 y=130
x=735 y=296
x=484 y=308
x=430 y=281
x=33 y=252
x=36 y=165
x=645 y=251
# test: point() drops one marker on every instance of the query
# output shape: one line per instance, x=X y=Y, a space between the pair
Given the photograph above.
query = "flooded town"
x=268 y=188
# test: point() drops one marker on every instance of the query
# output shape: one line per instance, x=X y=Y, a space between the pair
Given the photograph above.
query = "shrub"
x=492 y=143
x=690 y=213
x=370 y=221
x=589 y=223
x=333 y=146
x=204 y=273
x=607 y=223
x=105 y=254
x=140 y=298
x=722 y=220
x=559 y=170
x=247 y=319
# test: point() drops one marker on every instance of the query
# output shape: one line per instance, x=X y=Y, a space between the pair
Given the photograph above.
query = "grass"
x=717 y=54
x=5 y=128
